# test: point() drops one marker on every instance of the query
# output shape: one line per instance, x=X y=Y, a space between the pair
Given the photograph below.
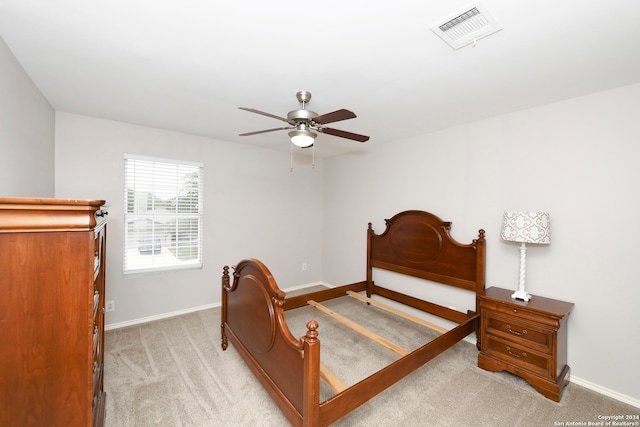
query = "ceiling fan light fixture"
x=302 y=137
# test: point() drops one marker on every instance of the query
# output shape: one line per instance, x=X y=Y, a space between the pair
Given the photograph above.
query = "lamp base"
x=521 y=294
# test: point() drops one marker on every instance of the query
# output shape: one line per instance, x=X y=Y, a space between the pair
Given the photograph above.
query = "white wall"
x=26 y=133
x=576 y=159
x=254 y=208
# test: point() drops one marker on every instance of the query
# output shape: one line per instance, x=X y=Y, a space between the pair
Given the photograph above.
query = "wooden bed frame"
x=415 y=243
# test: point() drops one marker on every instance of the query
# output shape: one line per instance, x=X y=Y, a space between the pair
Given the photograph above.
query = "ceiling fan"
x=304 y=122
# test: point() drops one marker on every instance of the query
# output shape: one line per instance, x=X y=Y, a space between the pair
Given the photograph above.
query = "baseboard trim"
x=141 y=320
x=605 y=391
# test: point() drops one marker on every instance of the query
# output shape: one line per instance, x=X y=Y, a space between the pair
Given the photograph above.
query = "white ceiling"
x=187 y=65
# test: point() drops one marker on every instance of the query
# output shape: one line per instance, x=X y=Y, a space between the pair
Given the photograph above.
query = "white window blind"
x=163 y=214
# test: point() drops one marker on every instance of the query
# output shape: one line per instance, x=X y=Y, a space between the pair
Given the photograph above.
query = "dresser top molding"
x=19 y=214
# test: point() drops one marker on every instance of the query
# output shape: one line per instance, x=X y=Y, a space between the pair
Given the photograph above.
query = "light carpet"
x=173 y=372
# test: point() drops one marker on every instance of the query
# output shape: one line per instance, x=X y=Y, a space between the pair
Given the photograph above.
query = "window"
x=163 y=214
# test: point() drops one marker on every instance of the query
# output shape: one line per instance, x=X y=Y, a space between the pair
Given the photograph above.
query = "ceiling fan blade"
x=265 y=131
x=334 y=116
x=345 y=134
x=273 y=116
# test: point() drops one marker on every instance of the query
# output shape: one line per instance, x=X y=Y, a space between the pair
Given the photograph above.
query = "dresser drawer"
x=96 y=337
x=97 y=252
x=520 y=356
x=97 y=379
x=97 y=348
x=515 y=329
x=96 y=304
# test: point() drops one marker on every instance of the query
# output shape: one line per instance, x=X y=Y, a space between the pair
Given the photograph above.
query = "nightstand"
x=528 y=339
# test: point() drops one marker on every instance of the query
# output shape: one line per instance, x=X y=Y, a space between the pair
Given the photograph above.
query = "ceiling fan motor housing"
x=301 y=115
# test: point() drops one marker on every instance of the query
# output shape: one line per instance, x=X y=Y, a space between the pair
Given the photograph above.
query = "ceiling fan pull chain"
x=313 y=156
x=291 y=157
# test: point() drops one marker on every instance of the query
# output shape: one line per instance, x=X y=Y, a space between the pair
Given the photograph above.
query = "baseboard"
x=605 y=391
x=111 y=326
x=307 y=285
x=141 y=320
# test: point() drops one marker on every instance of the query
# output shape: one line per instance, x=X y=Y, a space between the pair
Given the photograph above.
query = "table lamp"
x=525 y=227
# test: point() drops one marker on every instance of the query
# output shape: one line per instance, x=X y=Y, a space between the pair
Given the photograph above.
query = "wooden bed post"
x=480 y=277
x=224 y=287
x=311 y=382
x=369 y=268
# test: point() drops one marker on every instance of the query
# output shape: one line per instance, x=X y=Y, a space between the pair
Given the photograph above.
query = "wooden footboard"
x=253 y=320
x=290 y=369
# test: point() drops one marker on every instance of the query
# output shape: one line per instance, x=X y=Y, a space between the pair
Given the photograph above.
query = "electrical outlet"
x=304 y=266
x=109 y=306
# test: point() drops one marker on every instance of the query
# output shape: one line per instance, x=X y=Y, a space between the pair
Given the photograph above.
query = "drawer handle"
x=524 y=331
x=514 y=354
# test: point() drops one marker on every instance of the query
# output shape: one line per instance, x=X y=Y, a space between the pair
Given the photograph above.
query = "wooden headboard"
x=418 y=244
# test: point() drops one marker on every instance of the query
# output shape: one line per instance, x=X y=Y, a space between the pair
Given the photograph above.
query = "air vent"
x=467 y=26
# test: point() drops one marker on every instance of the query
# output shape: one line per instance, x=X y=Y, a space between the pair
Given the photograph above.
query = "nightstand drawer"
x=521 y=313
x=513 y=328
x=519 y=356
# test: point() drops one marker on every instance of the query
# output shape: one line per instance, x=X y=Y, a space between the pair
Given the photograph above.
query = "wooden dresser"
x=52 y=284
x=528 y=339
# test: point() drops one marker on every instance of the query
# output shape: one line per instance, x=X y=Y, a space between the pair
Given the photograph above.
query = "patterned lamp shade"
x=527 y=227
